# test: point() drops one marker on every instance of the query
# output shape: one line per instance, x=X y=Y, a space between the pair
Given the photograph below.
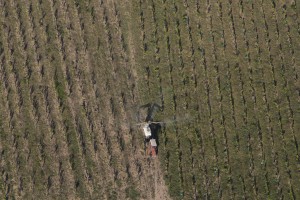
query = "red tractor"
x=150 y=140
x=153 y=148
x=150 y=128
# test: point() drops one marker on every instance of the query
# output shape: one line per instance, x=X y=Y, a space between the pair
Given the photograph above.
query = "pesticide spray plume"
x=179 y=120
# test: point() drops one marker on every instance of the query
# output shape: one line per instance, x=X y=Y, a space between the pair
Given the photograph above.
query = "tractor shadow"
x=151 y=108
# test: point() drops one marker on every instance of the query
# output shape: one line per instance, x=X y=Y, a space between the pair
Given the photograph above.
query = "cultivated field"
x=74 y=72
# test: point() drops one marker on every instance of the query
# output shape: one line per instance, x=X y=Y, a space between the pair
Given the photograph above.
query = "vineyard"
x=73 y=74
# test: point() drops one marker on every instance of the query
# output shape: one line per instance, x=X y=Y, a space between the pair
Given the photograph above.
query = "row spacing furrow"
x=256 y=79
x=287 y=55
x=206 y=130
x=260 y=85
x=213 y=64
x=283 y=95
x=188 y=72
x=46 y=141
x=290 y=17
x=174 y=28
x=251 y=57
x=105 y=103
x=270 y=92
x=180 y=75
x=229 y=130
x=28 y=132
x=80 y=72
x=113 y=26
x=67 y=112
x=9 y=123
x=47 y=87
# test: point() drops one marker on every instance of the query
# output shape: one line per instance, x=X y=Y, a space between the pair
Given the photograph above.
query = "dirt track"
x=160 y=188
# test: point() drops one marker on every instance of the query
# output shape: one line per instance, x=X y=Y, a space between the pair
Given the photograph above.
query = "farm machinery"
x=150 y=137
x=150 y=129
